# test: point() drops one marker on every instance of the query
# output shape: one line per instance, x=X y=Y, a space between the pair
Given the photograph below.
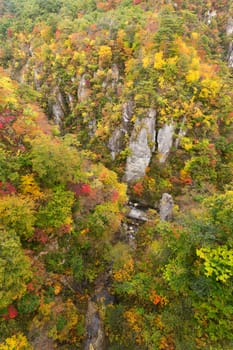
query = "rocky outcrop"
x=230 y=55
x=141 y=146
x=229 y=29
x=164 y=141
x=116 y=142
x=137 y=214
x=83 y=88
x=127 y=113
x=112 y=78
x=210 y=15
x=58 y=107
x=166 y=207
x=229 y=32
x=181 y=133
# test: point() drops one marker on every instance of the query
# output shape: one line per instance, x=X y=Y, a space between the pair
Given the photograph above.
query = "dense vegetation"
x=70 y=71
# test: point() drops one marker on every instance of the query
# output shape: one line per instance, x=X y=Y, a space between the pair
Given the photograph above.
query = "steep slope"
x=141 y=89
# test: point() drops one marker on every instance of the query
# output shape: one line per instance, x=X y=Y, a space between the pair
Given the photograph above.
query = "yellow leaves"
x=183 y=48
x=194 y=35
x=105 y=55
x=195 y=63
x=210 y=88
x=192 y=76
x=132 y=318
x=125 y=273
x=130 y=65
x=172 y=60
x=8 y=96
x=158 y=60
x=57 y=289
x=30 y=187
x=84 y=231
x=16 y=342
x=146 y=61
x=161 y=81
x=184 y=173
x=186 y=143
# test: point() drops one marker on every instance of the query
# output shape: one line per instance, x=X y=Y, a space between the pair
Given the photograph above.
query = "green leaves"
x=17 y=214
x=57 y=211
x=54 y=161
x=14 y=268
x=218 y=262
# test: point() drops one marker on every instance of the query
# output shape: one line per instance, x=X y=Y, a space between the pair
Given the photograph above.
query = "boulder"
x=141 y=145
x=164 y=140
x=166 y=207
x=137 y=214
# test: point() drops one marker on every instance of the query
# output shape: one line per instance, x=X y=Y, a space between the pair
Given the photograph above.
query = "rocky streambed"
x=136 y=215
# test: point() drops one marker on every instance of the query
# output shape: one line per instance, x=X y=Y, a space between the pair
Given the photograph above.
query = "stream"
x=137 y=214
x=95 y=335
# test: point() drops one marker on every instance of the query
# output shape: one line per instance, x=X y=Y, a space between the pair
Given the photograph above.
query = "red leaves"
x=11 y=313
x=138 y=188
x=30 y=287
x=114 y=196
x=6 y=120
x=157 y=299
x=40 y=236
x=6 y=188
x=85 y=189
x=66 y=228
x=81 y=189
x=136 y=2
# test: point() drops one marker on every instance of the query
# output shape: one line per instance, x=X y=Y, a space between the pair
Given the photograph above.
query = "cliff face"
x=135 y=82
x=107 y=81
x=135 y=90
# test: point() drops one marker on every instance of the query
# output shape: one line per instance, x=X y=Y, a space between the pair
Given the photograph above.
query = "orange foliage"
x=135 y=322
x=157 y=299
x=138 y=189
x=166 y=343
x=125 y=273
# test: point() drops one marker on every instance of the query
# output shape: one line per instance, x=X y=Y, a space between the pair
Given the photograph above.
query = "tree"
x=54 y=161
x=17 y=341
x=17 y=214
x=14 y=268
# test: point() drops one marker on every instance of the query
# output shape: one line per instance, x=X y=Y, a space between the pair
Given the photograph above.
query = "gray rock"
x=137 y=214
x=127 y=113
x=58 y=107
x=92 y=127
x=166 y=207
x=164 y=140
x=230 y=55
x=58 y=114
x=71 y=101
x=36 y=77
x=210 y=15
x=115 y=142
x=182 y=132
x=94 y=327
x=229 y=29
x=83 y=90
x=141 y=145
